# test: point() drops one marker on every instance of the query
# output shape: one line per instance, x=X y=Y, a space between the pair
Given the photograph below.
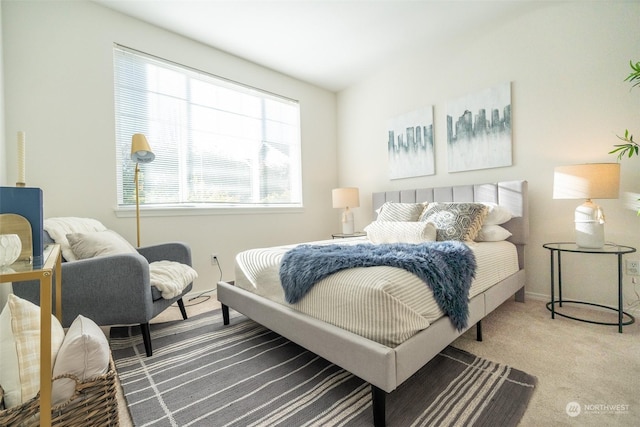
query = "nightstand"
x=556 y=249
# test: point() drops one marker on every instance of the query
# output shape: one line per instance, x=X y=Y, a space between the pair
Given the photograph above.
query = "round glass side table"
x=556 y=249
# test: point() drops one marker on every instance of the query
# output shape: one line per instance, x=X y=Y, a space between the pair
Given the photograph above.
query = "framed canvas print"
x=410 y=144
x=479 y=130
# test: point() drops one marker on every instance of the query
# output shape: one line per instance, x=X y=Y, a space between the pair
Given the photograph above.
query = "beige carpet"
x=591 y=365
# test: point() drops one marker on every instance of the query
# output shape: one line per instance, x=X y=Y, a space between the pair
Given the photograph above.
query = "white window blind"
x=216 y=142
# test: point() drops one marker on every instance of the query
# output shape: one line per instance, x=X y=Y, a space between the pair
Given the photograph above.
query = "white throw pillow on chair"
x=58 y=228
x=99 y=243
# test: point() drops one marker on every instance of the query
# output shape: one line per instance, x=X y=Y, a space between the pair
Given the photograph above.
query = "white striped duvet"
x=384 y=304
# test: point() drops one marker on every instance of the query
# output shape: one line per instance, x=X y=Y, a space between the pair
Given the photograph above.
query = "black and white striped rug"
x=205 y=374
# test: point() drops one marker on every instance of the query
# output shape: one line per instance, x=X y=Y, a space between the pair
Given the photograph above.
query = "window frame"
x=126 y=208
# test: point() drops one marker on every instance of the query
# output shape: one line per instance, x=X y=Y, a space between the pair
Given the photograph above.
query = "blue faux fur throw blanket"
x=448 y=268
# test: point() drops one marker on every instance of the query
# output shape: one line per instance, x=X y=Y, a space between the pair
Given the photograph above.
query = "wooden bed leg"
x=225 y=314
x=479 y=330
x=378 y=400
x=520 y=295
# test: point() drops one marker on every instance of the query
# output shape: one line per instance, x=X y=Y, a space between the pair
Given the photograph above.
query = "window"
x=216 y=142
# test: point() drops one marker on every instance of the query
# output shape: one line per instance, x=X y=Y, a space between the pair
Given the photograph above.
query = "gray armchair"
x=114 y=289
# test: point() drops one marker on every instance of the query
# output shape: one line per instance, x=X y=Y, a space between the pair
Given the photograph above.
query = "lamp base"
x=589 y=226
x=347 y=222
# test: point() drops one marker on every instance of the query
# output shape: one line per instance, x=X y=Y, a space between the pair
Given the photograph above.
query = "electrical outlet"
x=633 y=267
x=214 y=258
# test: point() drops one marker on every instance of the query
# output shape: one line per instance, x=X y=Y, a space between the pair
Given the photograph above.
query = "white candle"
x=21 y=156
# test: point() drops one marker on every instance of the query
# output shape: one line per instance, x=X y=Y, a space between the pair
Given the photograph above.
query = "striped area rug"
x=205 y=374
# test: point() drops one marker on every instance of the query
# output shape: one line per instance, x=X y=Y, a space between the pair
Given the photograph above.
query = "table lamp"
x=346 y=198
x=140 y=153
x=588 y=181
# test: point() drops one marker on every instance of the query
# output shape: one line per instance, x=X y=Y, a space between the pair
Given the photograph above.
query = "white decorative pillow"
x=98 y=243
x=58 y=228
x=401 y=232
x=24 y=325
x=405 y=212
x=496 y=214
x=84 y=353
x=455 y=221
x=9 y=370
x=492 y=233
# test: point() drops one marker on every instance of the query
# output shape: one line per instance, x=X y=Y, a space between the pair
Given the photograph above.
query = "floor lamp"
x=140 y=153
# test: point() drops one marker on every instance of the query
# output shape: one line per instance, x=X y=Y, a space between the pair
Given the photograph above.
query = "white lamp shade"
x=140 y=149
x=587 y=181
x=345 y=197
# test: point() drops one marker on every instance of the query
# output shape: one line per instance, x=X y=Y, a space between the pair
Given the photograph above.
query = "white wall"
x=3 y=153
x=59 y=90
x=567 y=63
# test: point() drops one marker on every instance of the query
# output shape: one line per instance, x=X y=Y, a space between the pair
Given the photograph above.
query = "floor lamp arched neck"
x=140 y=153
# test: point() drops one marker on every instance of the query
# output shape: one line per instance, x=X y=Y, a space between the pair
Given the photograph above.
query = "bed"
x=386 y=365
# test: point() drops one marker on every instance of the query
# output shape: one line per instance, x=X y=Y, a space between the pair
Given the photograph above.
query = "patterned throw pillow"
x=406 y=212
x=20 y=335
x=455 y=221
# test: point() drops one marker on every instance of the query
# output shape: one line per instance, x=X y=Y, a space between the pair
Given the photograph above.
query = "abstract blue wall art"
x=410 y=144
x=479 y=130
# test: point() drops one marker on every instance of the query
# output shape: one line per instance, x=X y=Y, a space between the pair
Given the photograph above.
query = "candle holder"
x=22 y=153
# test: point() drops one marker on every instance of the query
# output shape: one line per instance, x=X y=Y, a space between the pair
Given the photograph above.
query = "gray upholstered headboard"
x=511 y=194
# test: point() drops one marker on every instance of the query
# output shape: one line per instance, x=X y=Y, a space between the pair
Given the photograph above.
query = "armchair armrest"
x=173 y=251
x=121 y=282
x=110 y=290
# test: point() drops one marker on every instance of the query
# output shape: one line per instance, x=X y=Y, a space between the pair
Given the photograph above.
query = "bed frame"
x=383 y=367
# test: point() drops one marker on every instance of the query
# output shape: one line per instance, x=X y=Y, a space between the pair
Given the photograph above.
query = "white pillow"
x=401 y=232
x=492 y=233
x=84 y=353
x=24 y=325
x=496 y=214
x=98 y=243
x=9 y=371
x=58 y=228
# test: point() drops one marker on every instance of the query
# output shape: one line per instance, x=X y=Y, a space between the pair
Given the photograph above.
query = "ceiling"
x=329 y=43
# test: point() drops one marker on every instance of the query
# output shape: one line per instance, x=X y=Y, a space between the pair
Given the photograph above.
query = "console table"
x=42 y=271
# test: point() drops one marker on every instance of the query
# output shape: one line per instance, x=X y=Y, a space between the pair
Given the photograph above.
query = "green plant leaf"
x=630 y=148
x=635 y=75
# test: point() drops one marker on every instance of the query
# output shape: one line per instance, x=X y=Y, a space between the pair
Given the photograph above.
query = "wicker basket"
x=93 y=404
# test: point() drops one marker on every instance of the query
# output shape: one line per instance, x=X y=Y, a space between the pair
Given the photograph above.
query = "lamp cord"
x=201 y=294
